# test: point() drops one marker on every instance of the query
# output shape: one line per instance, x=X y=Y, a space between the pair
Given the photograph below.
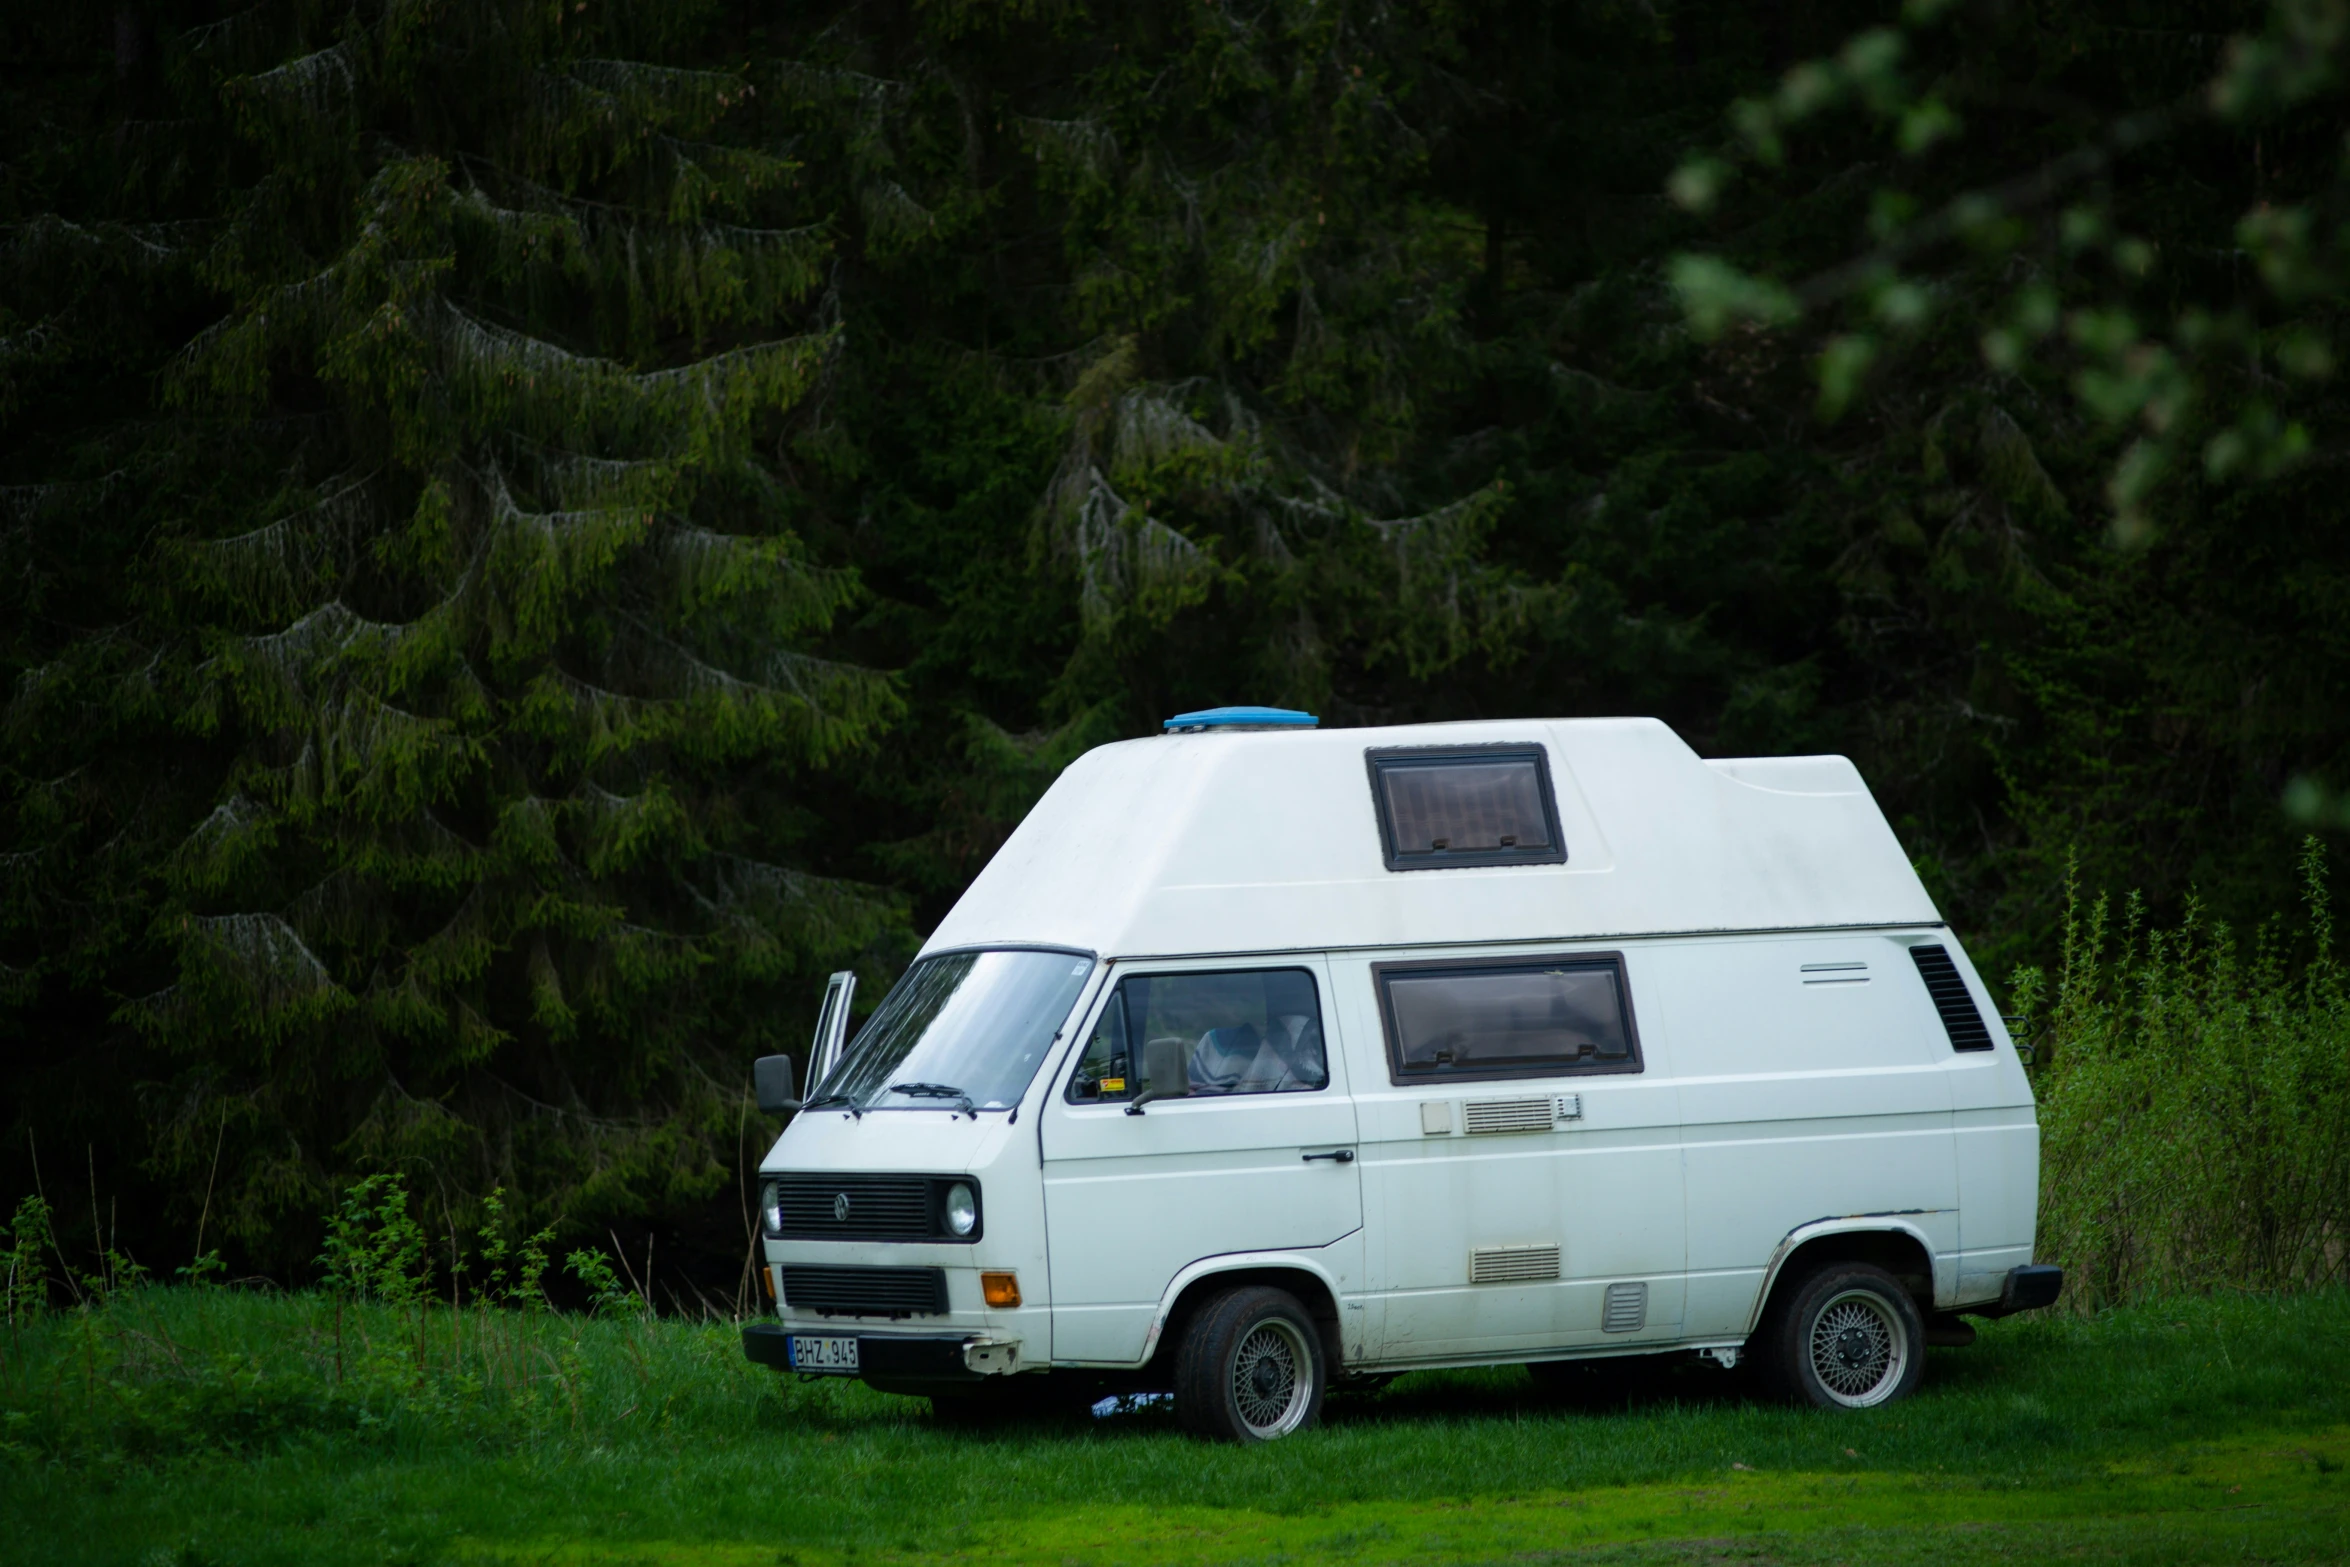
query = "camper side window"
x=1507 y=1018
x=1243 y=1031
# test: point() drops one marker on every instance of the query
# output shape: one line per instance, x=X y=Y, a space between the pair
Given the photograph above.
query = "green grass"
x=214 y=1427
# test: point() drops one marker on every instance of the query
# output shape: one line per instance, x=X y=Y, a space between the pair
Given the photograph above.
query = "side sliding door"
x=1521 y=1152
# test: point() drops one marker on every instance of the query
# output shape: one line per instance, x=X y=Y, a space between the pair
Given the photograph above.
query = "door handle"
x=1335 y=1156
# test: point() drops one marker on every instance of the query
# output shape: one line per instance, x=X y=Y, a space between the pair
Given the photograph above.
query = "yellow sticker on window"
x=1113 y=1085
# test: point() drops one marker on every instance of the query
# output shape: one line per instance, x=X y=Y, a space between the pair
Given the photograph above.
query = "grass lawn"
x=185 y=1427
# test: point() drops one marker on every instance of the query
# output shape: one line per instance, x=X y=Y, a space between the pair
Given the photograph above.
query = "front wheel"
x=1250 y=1368
x=1849 y=1338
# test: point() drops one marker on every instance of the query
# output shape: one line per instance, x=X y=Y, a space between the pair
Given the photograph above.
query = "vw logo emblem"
x=840 y=1208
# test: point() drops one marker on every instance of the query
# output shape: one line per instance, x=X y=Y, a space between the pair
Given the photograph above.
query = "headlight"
x=771 y=1207
x=962 y=1209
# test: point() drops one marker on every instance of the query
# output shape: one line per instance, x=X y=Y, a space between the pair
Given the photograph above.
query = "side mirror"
x=1166 y=1073
x=771 y=1078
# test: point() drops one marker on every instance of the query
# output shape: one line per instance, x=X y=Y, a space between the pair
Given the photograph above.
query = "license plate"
x=822 y=1354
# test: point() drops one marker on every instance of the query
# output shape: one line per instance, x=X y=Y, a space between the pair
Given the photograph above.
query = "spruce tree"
x=422 y=782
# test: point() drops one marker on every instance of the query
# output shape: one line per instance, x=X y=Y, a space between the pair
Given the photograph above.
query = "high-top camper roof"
x=1266 y=842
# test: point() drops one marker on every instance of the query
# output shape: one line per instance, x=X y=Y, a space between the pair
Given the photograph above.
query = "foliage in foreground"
x=441 y=1433
x=155 y=1373
x=2194 y=1103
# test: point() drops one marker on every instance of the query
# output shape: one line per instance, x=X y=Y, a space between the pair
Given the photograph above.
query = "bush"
x=2194 y=1103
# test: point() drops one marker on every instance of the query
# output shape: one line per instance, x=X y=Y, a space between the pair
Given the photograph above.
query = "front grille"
x=866 y=1292
x=878 y=1207
x=1960 y=1020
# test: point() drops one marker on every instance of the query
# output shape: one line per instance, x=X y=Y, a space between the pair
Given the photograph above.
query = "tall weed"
x=375 y=1249
x=24 y=1263
x=2194 y=1102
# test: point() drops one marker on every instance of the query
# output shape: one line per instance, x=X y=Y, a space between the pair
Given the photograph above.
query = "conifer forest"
x=531 y=531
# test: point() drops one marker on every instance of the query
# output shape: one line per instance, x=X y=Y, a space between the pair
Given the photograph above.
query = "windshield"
x=960 y=1025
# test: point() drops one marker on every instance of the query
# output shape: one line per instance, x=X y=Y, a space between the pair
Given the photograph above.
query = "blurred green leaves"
x=2157 y=369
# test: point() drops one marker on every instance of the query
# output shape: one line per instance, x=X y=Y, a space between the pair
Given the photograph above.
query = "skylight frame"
x=1378 y=761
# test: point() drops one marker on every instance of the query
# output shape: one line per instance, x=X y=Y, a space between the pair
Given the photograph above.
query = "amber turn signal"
x=1000 y=1289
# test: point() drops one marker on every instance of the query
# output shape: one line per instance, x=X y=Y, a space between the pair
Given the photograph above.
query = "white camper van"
x=1263 y=1057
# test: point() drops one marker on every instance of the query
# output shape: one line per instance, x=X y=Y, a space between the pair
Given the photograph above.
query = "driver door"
x=1242 y=1162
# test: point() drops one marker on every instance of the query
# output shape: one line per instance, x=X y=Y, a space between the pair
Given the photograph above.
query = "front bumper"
x=897 y=1357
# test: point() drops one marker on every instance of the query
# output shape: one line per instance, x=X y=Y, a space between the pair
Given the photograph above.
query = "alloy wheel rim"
x=1272 y=1379
x=1859 y=1348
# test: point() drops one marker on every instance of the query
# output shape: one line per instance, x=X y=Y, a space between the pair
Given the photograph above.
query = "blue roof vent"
x=1239 y=718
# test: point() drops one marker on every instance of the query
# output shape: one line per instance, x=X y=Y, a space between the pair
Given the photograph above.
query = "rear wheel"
x=1250 y=1368
x=1848 y=1337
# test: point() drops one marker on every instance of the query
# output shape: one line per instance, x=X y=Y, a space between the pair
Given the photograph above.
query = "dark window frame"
x=1379 y=759
x=1401 y=1076
x=1110 y=997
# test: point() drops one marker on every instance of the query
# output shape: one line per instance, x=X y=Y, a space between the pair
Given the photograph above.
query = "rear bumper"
x=2031 y=1286
x=2027 y=1288
x=897 y=1357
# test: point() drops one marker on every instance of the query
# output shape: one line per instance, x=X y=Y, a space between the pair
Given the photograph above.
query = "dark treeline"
x=530 y=530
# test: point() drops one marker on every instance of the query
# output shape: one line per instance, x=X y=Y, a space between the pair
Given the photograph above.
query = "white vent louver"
x=1513 y=1264
x=1626 y=1310
x=1507 y=1115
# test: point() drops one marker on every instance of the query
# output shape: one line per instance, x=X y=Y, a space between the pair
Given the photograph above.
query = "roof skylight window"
x=1452 y=806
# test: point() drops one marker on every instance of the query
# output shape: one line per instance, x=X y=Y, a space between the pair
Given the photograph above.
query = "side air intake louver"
x=1483 y=1116
x=1960 y=1020
x=1513 y=1264
x=1626 y=1310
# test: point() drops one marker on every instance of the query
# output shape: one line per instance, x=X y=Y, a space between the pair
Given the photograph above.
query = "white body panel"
x=1132 y=1200
x=1001 y=1154
x=1998 y=1155
x=1605 y=1189
x=1809 y=1091
x=1795 y=1078
x=1268 y=843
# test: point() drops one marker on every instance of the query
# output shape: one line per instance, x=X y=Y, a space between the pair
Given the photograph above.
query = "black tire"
x=1250 y=1367
x=1845 y=1336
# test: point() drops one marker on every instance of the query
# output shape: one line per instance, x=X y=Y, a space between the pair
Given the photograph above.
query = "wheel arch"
x=1884 y=1240
x=1314 y=1288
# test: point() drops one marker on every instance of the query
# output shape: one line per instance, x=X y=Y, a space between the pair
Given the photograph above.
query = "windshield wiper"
x=821 y=1100
x=937 y=1091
